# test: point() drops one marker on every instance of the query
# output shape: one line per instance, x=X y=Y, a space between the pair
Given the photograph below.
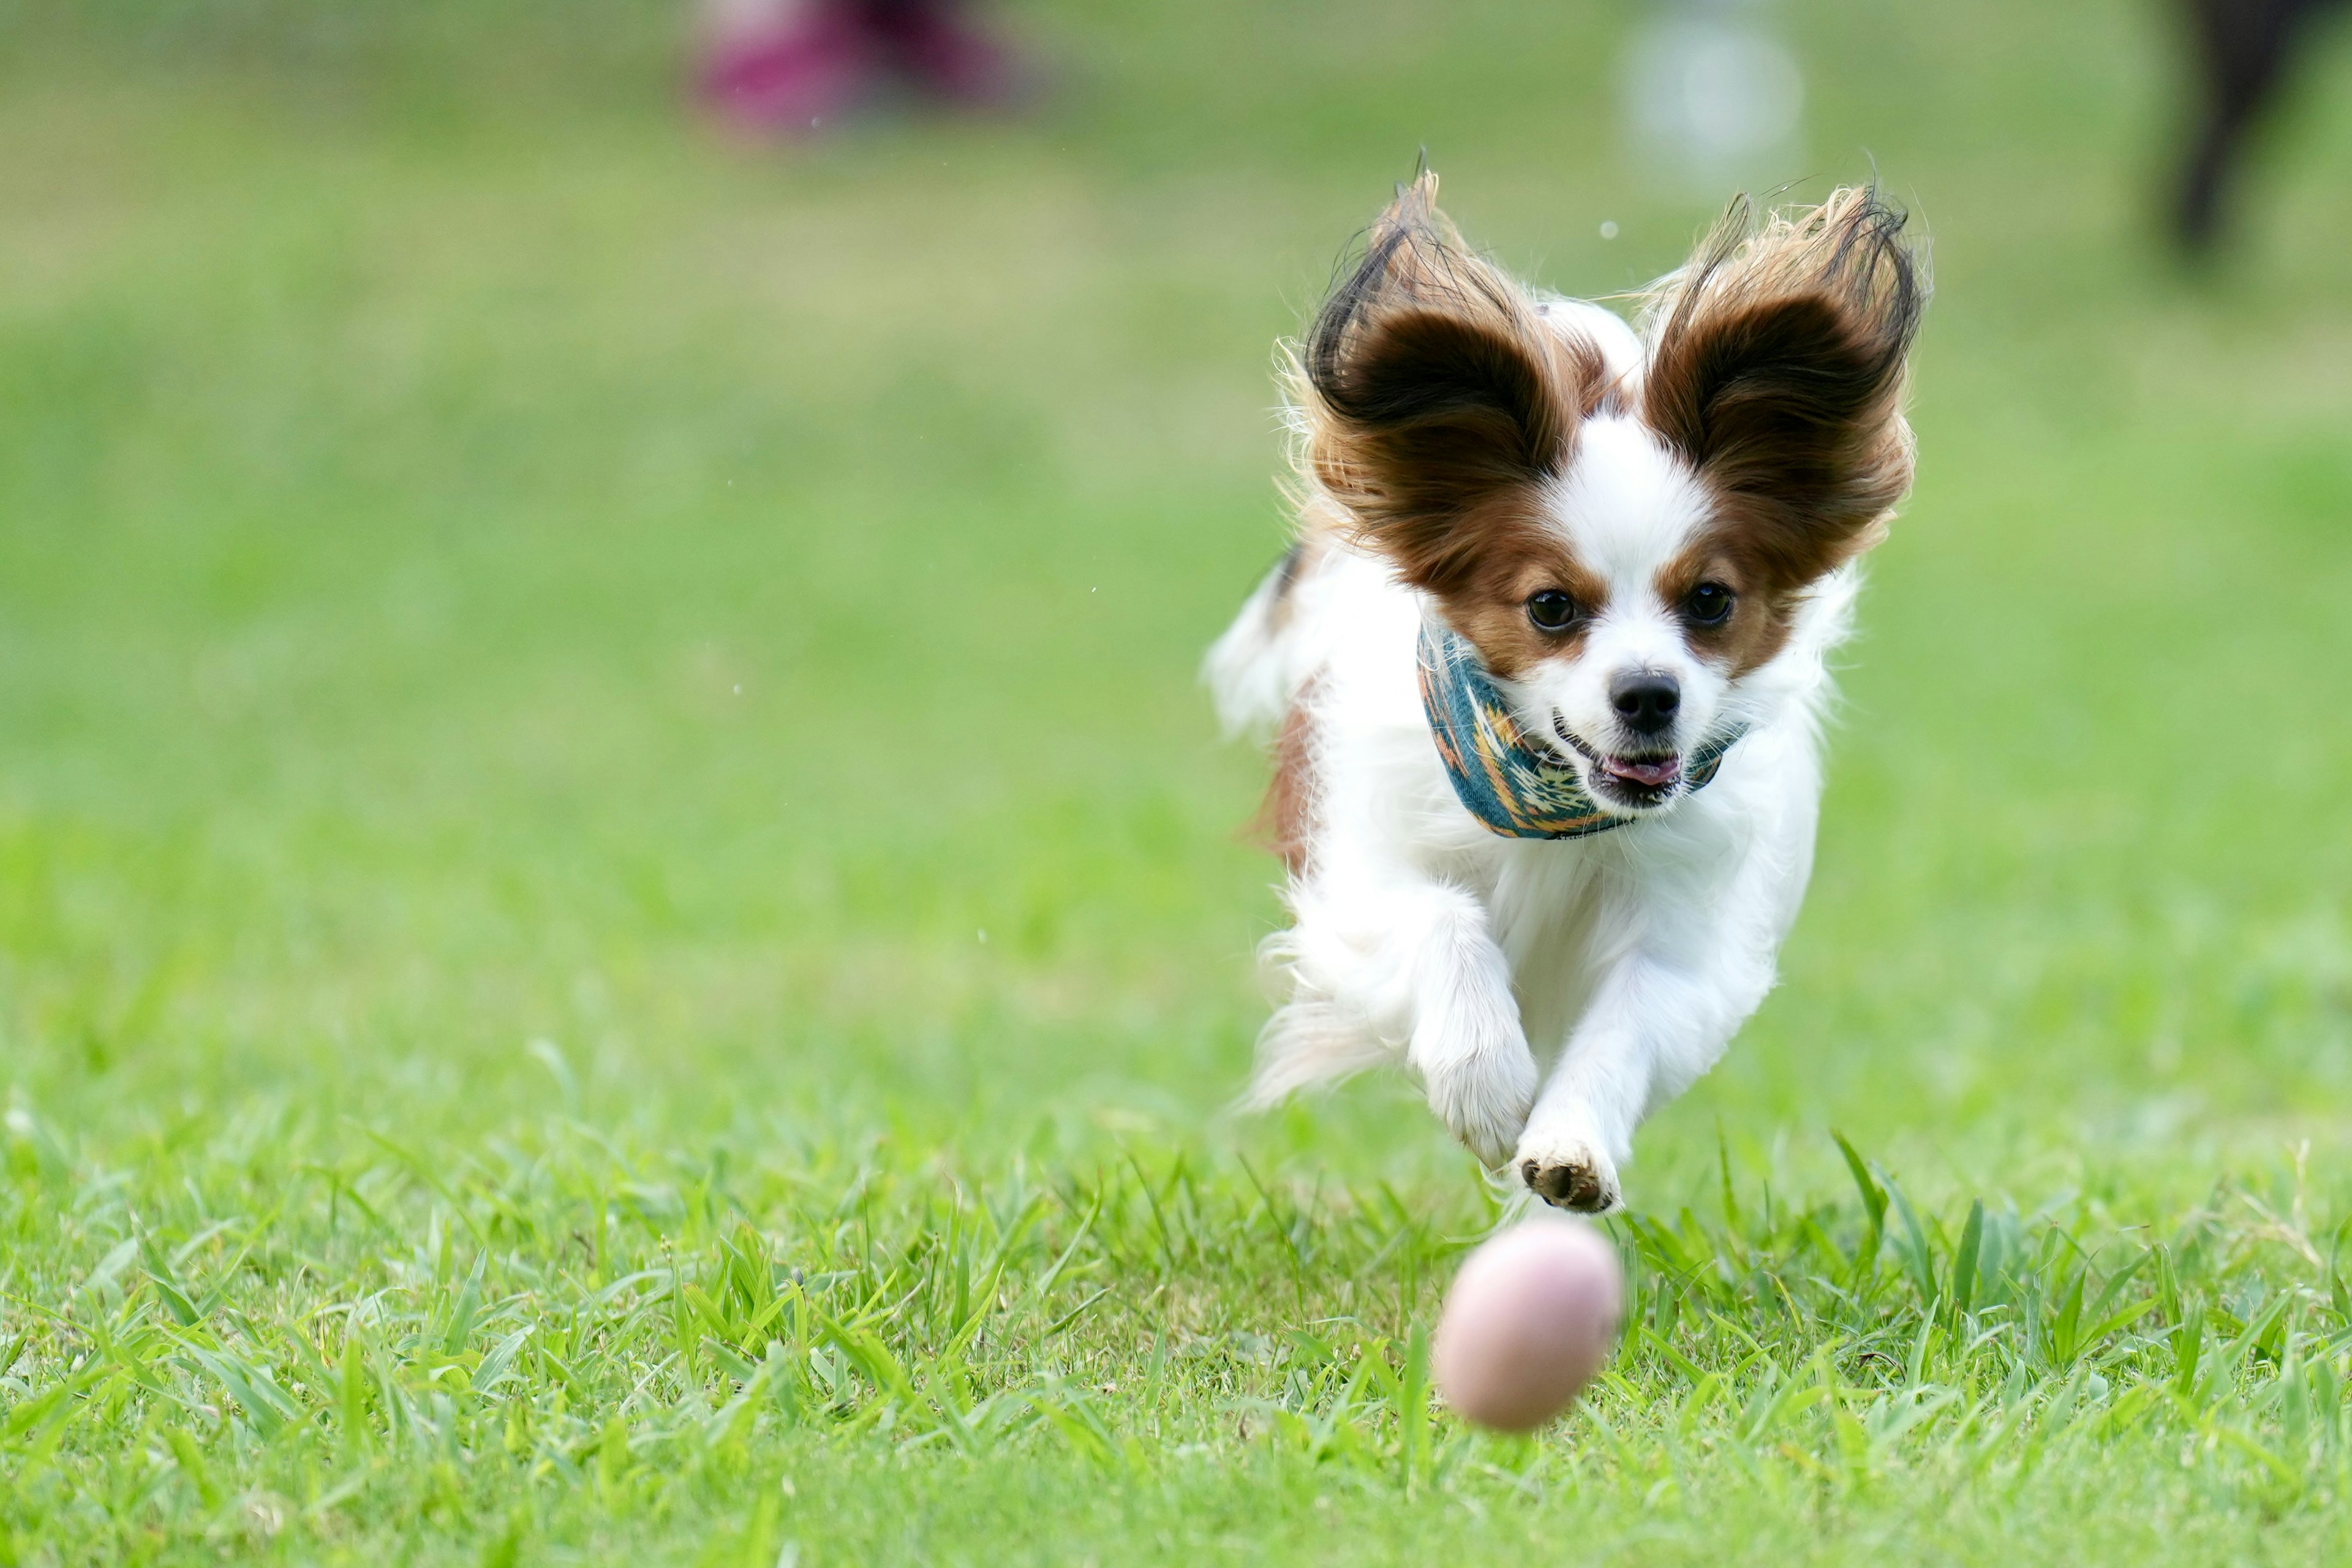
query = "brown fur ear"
x=1434 y=397
x=1777 y=368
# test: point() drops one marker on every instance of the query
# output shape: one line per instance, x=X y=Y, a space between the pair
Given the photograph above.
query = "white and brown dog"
x=1545 y=669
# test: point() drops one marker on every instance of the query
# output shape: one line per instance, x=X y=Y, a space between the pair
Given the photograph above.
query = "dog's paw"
x=1483 y=1099
x=1570 y=1173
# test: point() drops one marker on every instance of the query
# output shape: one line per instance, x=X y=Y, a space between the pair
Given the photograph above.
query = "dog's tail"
x=1255 y=670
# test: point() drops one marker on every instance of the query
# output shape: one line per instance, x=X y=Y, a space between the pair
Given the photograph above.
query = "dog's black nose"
x=1645 y=700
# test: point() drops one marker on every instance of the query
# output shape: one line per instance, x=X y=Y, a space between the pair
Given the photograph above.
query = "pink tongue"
x=1648 y=775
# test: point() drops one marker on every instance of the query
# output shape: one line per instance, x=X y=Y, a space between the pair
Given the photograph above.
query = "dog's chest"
x=1548 y=911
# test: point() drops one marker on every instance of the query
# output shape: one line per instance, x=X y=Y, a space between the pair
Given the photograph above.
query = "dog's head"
x=1627 y=535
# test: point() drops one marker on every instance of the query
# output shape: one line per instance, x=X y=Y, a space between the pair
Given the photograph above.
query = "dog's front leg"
x=1412 y=960
x=1658 y=1020
x=1468 y=1043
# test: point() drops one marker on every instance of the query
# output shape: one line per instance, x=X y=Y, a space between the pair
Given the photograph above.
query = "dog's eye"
x=1709 y=603
x=1551 y=611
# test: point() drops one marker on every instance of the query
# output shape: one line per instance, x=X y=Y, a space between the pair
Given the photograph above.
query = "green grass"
x=534 y=646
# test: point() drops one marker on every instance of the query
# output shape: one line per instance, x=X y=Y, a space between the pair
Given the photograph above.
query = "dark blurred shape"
x=2245 y=49
x=795 y=67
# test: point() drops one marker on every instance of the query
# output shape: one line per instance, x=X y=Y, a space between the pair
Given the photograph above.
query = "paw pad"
x=1571 y=1184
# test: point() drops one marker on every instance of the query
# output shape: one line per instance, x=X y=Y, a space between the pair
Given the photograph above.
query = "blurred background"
x=528 y=574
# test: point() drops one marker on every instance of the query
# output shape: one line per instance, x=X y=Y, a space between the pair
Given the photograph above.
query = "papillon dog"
x=1544 y=672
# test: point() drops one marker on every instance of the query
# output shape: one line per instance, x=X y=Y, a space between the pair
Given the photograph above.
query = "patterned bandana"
x=1508 y=786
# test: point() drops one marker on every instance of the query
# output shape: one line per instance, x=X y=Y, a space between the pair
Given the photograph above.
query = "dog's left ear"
x=1777 y=369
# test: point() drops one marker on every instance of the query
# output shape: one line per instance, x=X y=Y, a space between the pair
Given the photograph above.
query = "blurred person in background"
x=2243 y=50
x=796 y=67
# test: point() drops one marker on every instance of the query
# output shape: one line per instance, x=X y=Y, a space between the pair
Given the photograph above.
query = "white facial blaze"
x=1628 y=507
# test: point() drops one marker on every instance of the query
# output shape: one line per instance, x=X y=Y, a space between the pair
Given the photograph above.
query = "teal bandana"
x=1508 y=786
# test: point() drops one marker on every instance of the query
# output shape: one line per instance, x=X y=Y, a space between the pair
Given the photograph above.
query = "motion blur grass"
x=621 y=935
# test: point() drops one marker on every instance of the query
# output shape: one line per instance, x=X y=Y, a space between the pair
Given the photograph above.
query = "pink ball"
x=1530 y=1321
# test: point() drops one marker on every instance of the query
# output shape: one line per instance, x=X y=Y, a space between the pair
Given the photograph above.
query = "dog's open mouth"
x=1626 y=779
x=1654 y=773
x=1640 y=783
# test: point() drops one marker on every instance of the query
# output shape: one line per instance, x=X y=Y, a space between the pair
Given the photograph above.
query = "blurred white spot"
x=983 y=937
x=1609 y=229
x=1712 y=93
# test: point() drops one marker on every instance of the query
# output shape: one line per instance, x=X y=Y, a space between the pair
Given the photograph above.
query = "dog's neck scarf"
x=1511 y=787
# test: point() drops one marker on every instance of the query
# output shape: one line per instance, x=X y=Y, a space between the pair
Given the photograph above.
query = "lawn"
x=622 y=931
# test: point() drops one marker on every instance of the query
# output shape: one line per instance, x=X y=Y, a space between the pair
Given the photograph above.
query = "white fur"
x=1547 y=994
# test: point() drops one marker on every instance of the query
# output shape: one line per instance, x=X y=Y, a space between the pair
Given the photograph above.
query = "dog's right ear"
x=1435 y=398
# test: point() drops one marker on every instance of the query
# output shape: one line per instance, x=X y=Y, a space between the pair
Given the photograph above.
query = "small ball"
x=1530 y=1321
